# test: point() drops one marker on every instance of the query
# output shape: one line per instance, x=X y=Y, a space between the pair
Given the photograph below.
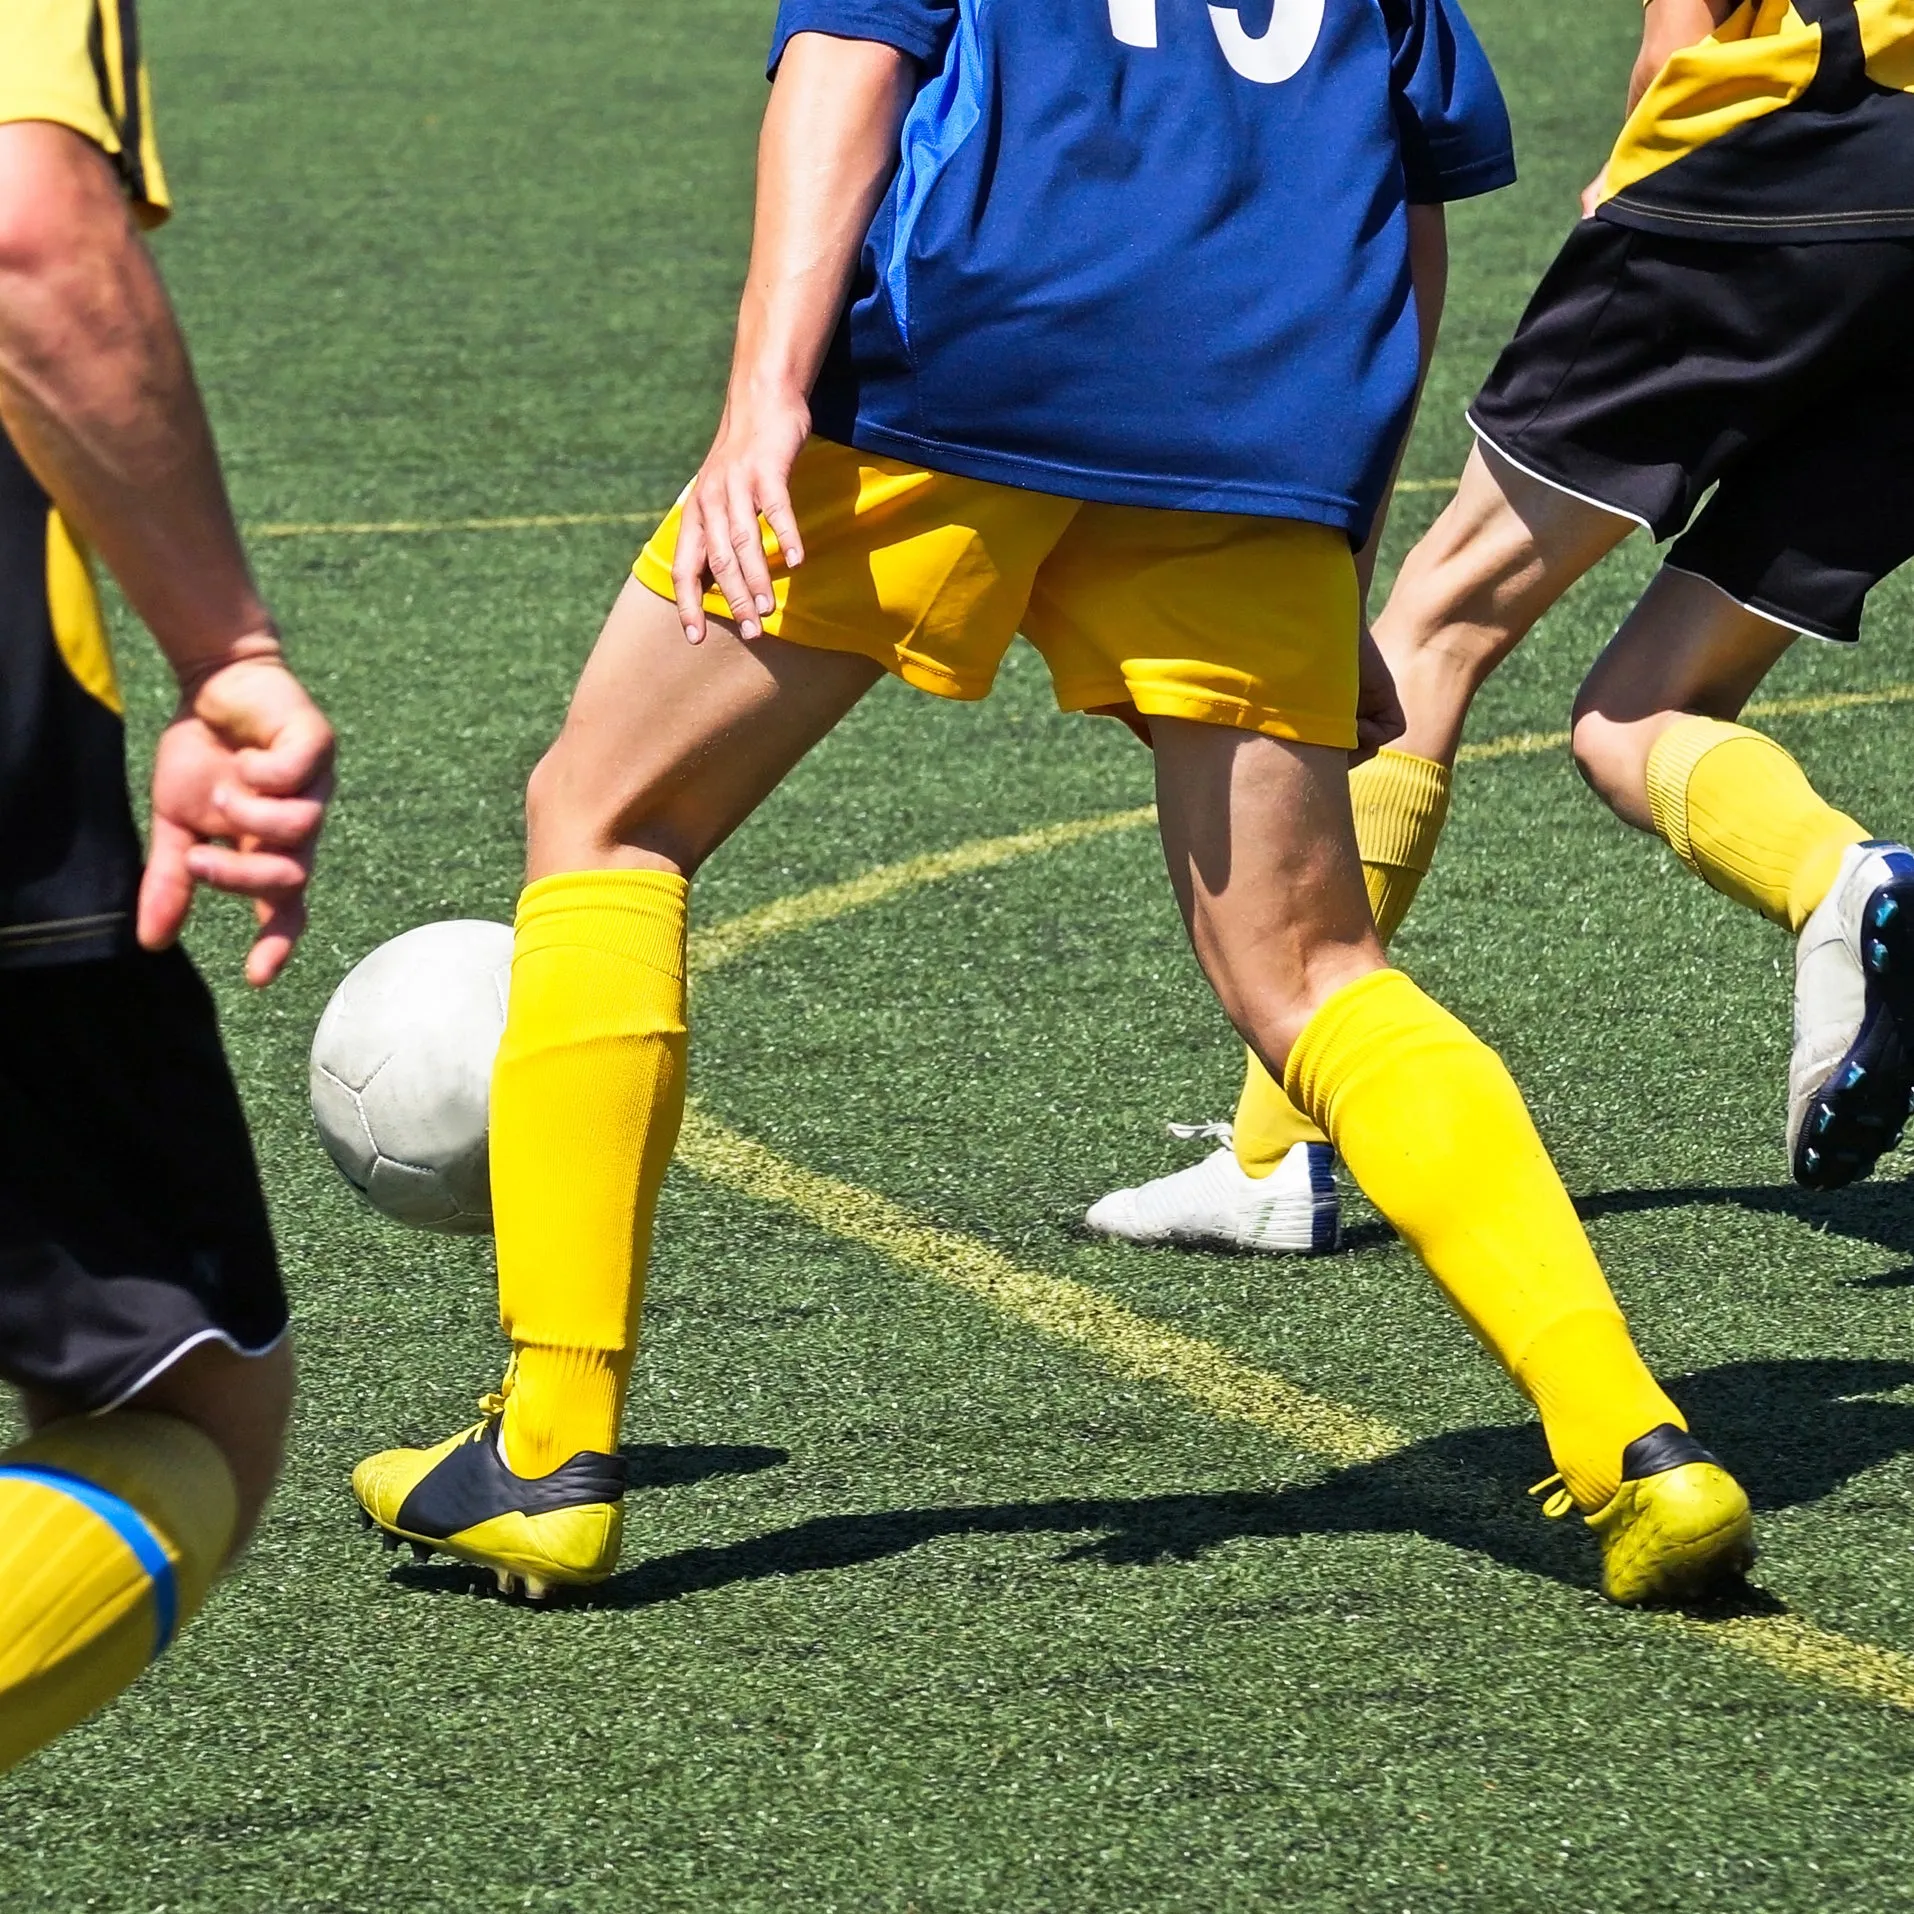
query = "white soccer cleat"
x=1292 y=1211
x=1852 y=1071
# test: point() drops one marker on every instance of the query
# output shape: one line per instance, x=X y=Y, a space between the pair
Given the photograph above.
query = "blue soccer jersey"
x=1155 y=252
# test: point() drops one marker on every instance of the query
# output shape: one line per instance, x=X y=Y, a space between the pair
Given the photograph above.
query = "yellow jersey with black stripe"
x=69 y=852
x=77 y=63
x=1793 y=121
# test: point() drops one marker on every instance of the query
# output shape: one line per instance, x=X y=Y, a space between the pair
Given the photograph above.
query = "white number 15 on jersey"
x=1277 y=55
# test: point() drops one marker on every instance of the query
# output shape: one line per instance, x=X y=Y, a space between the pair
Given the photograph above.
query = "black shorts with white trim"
x=132 y=1227
x=1649 y=369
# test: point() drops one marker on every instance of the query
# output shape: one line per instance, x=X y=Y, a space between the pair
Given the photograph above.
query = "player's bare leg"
x=1655 y=734
x=1260 y=845
x=1501 y=553
x=669 y=746
x=1687 y=650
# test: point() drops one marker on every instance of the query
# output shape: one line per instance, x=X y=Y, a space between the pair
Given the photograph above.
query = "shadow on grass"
x=1792 y=1430
x=677 y=1465
x=1881 y=1213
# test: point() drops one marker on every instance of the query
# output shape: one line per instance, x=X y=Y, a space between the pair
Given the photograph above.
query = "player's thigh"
x=668 y=746
x=1261 y=851
x=1686 y=650
x=1500 y=554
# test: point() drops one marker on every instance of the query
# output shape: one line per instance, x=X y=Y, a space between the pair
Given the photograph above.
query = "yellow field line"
x=395 y=527
x=807 y=909
x=736 y=935
x=1132 y=1344
x=548 y=521
x=1203 y=1372
x=1129 y=1343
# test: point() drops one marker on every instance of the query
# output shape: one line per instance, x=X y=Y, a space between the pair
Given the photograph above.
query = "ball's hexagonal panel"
x=401 y=1073
x=342 y=1128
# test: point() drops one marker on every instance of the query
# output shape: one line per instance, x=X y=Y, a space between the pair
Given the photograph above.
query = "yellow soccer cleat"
x=1678 y=1529
x=534 y=1533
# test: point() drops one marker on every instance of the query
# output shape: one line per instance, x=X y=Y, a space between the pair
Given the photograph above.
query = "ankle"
x=563 y=1402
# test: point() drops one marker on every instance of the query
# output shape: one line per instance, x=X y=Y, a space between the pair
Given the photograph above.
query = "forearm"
x=1429 y=274
x=97 y=393
x=1667 y=27
x=825 y=156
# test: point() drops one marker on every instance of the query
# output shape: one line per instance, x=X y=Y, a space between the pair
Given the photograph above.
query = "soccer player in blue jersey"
x=1093 y=321
x=1727 y=325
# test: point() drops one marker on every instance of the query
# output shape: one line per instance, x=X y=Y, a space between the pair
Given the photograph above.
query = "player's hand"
x=745 y=478
x=240 y=783
x=1379 y=718
x=1594 y=193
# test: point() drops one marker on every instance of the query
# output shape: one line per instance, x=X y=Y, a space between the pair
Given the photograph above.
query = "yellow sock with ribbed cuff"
x=1741 y=814
x=1401 y=803
x=112 y=1529
x=1436 y=1133
x=563 y=1401
x=587 y=1097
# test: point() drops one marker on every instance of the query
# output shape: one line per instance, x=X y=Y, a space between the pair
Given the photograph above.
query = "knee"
x=575 y=822
x=1271 y=1011
x=244 y=1404
x=558 y=807
x=1612 y=757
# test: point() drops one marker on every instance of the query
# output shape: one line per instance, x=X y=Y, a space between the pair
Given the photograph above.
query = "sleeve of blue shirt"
x=917 y=27
x=1450 y=115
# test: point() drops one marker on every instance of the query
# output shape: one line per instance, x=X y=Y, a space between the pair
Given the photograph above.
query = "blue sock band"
x=128 y=1524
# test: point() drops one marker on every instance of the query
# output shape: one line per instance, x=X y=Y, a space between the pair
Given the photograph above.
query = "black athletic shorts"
x=1648 y=369
x=132 y=1227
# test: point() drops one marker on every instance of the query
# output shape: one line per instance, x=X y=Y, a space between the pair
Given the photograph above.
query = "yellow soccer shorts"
x=1220 y=617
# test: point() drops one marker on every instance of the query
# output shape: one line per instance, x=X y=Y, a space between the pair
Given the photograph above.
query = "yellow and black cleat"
x=534 y=1533
x=1678 y=1529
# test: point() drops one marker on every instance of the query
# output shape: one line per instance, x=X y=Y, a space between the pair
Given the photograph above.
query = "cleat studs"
x=1877 y=956
x=421 y=1552
x=507 y=1582
x=1885 y=912
x=1855 y=1073
x=388 y=1541
x=537 y=1589
x=1823 y=1121
x=365 y=1518
x=1810 y=1160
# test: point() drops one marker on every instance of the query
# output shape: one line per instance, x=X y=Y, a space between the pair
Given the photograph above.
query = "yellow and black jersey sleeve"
x=77 y=62
x=1793 y=121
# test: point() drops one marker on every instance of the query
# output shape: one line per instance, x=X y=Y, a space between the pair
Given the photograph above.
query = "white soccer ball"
x=402 y=1073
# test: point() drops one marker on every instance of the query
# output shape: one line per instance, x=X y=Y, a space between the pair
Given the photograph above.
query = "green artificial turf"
x=920 y=1610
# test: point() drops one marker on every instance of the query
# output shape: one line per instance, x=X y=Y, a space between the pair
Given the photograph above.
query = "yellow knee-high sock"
x=111 y=1531
x=587 y=1096
x=1434 y=1130
x=1401 y=804
x=1740 y=813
